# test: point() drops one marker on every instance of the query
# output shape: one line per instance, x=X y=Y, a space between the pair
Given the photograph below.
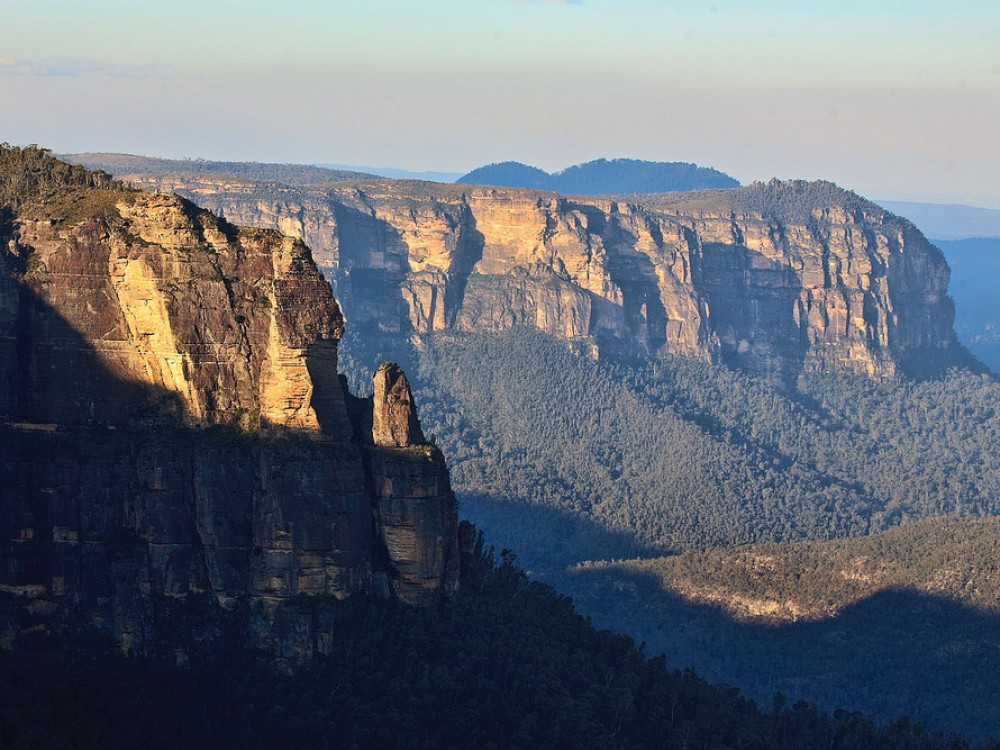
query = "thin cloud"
x=10 y=66
x=547 y=2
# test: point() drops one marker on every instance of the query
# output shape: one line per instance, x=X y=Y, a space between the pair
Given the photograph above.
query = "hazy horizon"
x=894 y=100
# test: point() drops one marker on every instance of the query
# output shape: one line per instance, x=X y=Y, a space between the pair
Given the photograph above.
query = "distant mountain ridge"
x=603 y=176
x=289 y=174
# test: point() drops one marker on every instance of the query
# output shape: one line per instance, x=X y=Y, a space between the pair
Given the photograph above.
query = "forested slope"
x=903 y=622
x=567 y=459
x=506 y=663
x=676 y=454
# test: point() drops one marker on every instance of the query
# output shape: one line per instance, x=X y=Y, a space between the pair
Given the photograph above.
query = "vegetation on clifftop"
x=36 y=184
x=786 y=201
x=288 y=174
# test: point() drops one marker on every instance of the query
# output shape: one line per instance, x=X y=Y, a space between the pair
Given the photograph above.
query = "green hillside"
x=679 y=455
x=903 y=622
x=567 y=460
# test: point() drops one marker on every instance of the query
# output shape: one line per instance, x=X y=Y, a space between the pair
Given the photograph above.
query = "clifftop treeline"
x=288 y=174
x=30 y=174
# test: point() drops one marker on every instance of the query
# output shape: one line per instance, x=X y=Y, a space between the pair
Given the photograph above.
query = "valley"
x=627 y=393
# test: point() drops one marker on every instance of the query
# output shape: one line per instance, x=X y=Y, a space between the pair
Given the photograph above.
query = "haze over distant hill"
x=602 y=176
x=975 y=267
x=948 y=221
x=969 y=237
x=398 y=174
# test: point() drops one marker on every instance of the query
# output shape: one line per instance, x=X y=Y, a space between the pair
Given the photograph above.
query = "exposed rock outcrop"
x=394 y=413
x=415 y=511
x=173 y=430
x=411 y=487
x=417 y=521
x=771 y=278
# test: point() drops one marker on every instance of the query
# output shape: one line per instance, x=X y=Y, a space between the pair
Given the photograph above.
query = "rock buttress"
x=394 y=414
x=415 y=509
x=172 y=430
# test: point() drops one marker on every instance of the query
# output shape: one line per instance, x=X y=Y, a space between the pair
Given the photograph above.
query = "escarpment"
x=772 y=278
x=176 y=442
x=411 y=487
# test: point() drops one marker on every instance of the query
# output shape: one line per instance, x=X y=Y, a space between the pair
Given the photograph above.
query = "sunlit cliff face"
x=174 y=433
x=169 y=297
x=773 y=278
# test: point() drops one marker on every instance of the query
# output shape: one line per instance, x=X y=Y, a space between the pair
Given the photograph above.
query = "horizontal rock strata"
x=771 y=278
x=173 y=430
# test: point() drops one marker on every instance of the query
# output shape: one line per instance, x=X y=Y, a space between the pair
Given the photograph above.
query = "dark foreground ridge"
x=505 y=663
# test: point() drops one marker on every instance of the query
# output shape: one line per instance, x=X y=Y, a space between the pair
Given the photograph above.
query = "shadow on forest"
x=567 y=538
x=898 y=652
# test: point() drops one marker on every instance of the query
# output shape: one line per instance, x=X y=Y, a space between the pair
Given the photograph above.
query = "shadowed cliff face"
x=173 y=430
x=770 y=278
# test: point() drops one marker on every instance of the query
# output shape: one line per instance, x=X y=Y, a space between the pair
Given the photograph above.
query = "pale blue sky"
x=893 y=99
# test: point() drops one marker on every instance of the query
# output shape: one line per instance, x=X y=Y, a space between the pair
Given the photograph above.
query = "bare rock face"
x=417 y=521
x=173 y=431
x=414 y=504
x=773 y=278
x=415 y=509
x=394 y=415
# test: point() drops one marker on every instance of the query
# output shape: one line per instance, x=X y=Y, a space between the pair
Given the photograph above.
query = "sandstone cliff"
x=771 y=278
x=173 y=429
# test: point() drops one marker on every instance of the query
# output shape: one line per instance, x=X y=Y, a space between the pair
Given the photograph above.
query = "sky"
x=895 y=99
